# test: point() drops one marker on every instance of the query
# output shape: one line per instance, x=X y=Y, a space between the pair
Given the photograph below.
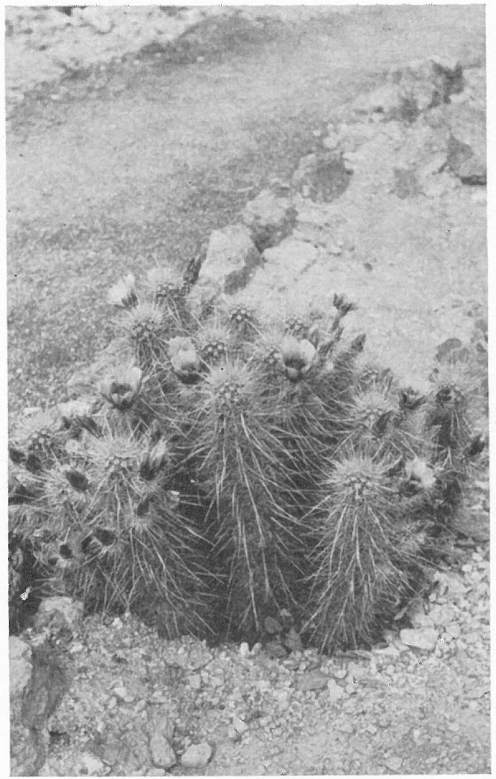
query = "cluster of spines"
x=267 y=425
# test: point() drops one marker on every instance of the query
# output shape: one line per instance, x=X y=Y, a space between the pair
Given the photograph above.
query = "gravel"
x=235 y=710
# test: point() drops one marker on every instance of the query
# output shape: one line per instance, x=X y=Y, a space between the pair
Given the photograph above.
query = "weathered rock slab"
x=269 y=218
x=231 y=259
x=321 y=176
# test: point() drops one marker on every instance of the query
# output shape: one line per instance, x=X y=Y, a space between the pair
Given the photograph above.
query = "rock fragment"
x=20 y=665
x=269 y=218
x=231 y=260
x=313 y=680
x=420 y=638
x=197 y=755
x=335 y=691
x=467 y=143
x=321 y=176
x=161 y=752
x=59 y=612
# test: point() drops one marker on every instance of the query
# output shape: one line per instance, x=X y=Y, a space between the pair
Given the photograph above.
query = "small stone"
x=275 y=649
x=394 y=763
x=231 y=260
x=98 y=19
x=453 y=629
x=90 y=765
x=422 y=638
x=313 y=680
x=293 y=641
x=239 y=725
x=59 y=611
x=272 y=626
x=161 y=751
x=339 y=673
x=269 y=218
x=123 y=694
x=111 y=752
x=244 y=649
x=195 y=681
x=20 y=665
x=197 y=756
x=335 y=691
x=76 y=648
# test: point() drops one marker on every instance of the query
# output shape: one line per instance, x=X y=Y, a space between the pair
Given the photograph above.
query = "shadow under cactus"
x=240 y=470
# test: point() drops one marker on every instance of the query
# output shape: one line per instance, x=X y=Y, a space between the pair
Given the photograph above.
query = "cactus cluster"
x=239 y=469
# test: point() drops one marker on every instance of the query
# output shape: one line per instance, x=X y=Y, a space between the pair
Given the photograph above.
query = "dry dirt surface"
x=114 y=169
x=137 y=703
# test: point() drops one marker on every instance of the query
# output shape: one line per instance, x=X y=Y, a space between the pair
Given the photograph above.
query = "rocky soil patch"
x=416 y=703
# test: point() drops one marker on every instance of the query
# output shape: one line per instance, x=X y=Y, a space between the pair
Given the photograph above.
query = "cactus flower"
x=298 y=357
x=184 y=358
x=123 y=293
x=418 y=470
x=121 y=390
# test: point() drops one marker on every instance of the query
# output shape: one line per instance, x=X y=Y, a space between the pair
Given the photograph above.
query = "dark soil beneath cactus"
x=138 y=165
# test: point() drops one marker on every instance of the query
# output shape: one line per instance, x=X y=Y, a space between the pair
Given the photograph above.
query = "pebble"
x=123 y=694
x=239 y=725
x=423 y=638
x=197 y=756
x=313 y=680
x=335 y=691
x=195 y=681
x=339 y=673
x=394 y=763
x=453 y=629
x=161 y=751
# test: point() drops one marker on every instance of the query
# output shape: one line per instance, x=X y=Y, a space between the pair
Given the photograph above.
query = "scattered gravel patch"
x=139 y=702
